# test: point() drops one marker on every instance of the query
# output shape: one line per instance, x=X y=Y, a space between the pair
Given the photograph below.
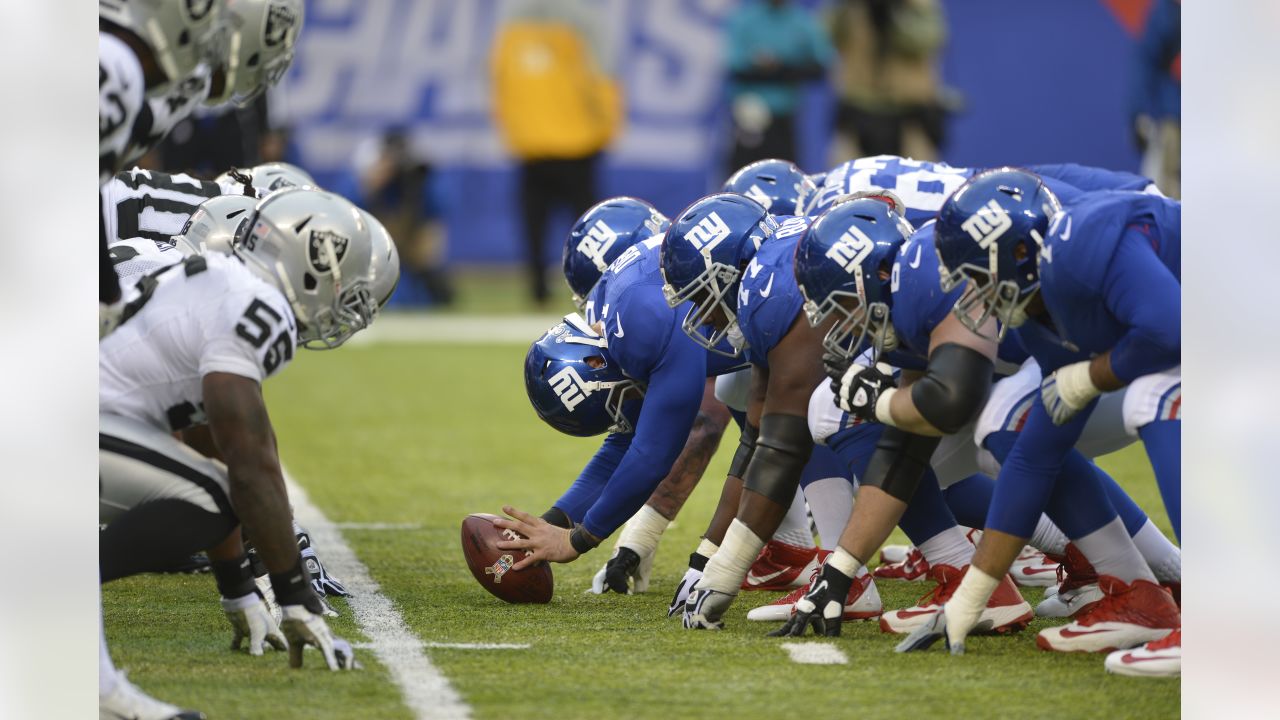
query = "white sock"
x=1162 y=556
x=949 y=547
x=728 y=567
x=107 y=673
x=1111 y=552
x=794 y=528
x=831 y=502
x=1048 y=538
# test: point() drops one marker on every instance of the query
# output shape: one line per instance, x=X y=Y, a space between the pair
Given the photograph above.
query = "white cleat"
x=1034 y=569
x=1068 y=603
x=1162 y=658
x=127 y=702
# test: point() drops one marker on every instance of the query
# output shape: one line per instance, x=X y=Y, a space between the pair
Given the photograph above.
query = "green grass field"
x=425 y=434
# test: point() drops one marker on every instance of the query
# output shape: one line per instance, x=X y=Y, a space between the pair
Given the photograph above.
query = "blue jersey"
x=646 y=341
x=768 y=298
x=1110 y=277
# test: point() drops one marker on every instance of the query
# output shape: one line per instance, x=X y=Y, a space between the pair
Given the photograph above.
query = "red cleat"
x=913 y=567
x=780 y=567
x=1006 y=611
x=1126 y=616
x=1162 y=658
x=862 y=603
x=1077 y=587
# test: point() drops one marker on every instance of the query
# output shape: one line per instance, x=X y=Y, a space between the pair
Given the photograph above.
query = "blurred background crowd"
x=477 y=131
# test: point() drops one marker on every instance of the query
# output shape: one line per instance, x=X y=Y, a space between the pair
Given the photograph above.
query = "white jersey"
x=121 y=95
x=206 y=314
x=154 y=205
x=135 y=258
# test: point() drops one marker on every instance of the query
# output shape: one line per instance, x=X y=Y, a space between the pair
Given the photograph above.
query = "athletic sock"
x=949 y=547
x=1162 y=556
x=1111 y=552
x=794 y=529
x=831 y=503
x=1048 y=539
x=1163 y=441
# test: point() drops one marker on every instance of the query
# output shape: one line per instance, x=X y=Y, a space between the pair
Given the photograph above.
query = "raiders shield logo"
x=197 y=9
x=280 y=20
x=318 y=256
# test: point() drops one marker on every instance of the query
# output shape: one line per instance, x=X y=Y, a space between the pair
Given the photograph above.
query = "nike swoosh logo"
x=916 y=263
x=904 y=614
x=618 y=332
x=768 y=288
x=1066 y=232
x=1038 y=571
x=755 y=579
x=1130 y=658
x=1083 y=633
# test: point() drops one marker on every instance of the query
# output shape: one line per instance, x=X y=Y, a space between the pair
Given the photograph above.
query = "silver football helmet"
x=315 y=247
x=181 y=34
x=212 y=227
x=270 y=177
x=263 y=36
x=385 y=267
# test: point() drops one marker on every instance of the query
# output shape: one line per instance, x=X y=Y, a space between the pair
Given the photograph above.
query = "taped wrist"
x=899 y=462
x=782 y=449
x=294 y=588
x=234 y=577
x=644 y=530
x=954 y=386
x=746 y=448
x=558 y=517
x=582 y=541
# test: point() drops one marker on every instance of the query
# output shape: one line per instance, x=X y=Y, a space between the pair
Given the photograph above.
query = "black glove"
x=860 y=387
x=821 y=607
x=620 y=569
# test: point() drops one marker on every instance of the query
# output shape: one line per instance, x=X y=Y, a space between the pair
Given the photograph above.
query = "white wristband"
x=728 y=567
x=1075 y=386
x=643 y=531
x=882 y=406
x=844 y=561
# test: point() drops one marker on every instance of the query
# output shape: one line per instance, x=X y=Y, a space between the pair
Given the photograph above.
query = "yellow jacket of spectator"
x=550 y=98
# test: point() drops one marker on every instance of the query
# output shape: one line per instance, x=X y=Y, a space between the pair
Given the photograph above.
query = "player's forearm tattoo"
x=675 y=488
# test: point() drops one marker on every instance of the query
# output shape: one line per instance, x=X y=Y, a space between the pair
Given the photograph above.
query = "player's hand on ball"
x=691 y=578
x=251 y=620
x=304 y=626
x=545 y=542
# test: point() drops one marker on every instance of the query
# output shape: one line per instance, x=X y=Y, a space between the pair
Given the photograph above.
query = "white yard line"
x=426 y=691
x=457 y=646
x=425 y=327
x=811 y=653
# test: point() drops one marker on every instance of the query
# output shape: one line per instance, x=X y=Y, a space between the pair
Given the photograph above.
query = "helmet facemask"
x=986 y=296
x=856 y=322
x=709 y=292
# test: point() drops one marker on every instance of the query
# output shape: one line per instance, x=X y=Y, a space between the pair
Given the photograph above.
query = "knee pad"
x=900 y=460
x=782 y=449
x=1153 y=398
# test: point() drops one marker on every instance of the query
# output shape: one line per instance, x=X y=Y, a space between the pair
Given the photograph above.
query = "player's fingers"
x=295 y=652
x=520 y=544
x=326 y=649
x=276 y=640
x=520 y=527
x=529 y=560
x=520 y=515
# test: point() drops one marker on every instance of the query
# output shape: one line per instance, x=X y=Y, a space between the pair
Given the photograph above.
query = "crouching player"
x=1093 y=292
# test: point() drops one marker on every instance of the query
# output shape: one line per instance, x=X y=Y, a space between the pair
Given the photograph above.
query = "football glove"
x=691 y=578
x=821 y=607
x=321 y=581
x=1067 y=391
x=705 y=609
x=625 y=565
x=303 y=626
x=859 y=387
x=251 y=620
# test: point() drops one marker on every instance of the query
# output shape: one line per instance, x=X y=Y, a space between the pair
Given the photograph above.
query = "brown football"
x=492 y=567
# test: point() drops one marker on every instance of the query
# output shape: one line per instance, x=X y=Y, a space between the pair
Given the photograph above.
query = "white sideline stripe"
x=459 y=646
x=425 y=327
x=377 y=526
x=813 y=653
x=427 y=693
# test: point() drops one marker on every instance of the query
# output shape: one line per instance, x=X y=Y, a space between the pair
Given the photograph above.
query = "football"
x=492 y=567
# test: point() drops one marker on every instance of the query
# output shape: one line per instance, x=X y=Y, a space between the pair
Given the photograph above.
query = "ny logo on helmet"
x=280 y=20
x=569 y=387
x=851 y=249
x=318 y=249
x=755 y=193
x=597 y=242
x=988 y=224
x=708 y=233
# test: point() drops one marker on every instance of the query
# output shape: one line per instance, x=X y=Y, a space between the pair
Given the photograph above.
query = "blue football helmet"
x=844 y=265
x=600 y=236
x=778 y=185
x=989 y=233
x=703 y=256
x=574 y=384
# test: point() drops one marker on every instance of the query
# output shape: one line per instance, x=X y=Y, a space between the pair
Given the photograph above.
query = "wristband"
x=1075 y=385
x=234 y=577
x=294 y=588
x=558 y=517
x=883 y=414
x=581 y=540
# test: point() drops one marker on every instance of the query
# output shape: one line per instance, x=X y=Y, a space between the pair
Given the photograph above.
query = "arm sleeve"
x=1143 y=295
x=670 y=405
x=584 y=491
x=1083 y=177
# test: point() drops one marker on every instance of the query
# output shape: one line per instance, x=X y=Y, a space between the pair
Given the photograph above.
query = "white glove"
x=303 y=627
x=109 y=317
x=691 y=578
x=705 y=608
x=1067 y=391
x=268 y=595
x=251 y=618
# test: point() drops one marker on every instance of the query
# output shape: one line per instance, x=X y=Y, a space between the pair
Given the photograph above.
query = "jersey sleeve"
x=919 y=303
x=584 y=491
x=638 y=328
x=671 y=403
x=1147 y=299
x=1089 y=179
x=251 y=335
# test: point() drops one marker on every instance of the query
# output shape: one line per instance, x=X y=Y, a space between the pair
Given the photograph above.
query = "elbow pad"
x=899 y=462
x=746 y=448
x=954 y=387
x=782 y=449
